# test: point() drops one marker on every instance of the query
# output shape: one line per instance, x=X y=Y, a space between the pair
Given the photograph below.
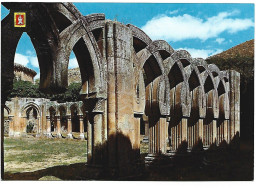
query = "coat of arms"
x=19 y=19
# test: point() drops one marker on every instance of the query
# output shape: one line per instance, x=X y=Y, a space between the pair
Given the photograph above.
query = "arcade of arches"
x=44 y=117
x=128 y=80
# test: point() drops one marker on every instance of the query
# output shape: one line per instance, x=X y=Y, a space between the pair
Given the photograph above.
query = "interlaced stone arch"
x=9 y=111
x=126 y=79
x=27 y=106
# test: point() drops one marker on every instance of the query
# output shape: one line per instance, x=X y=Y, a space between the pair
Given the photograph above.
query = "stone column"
x=11 y=126
x=234 y=79
x=48 y=122
x=69 y=135
x=38 y=128
x=95 y=143
x=163 y=135
x=201 y=129
x=81 y=127
x=157 y=135
x=89 y=139
x=22 y=128
x=151 y=136
x=136 y=144
x=226 y=138
x=214 y=131
x=111 y=94
x=97 y=147
x=120 y=96
x=146 y=128
x=58 y=127
x=184 y=129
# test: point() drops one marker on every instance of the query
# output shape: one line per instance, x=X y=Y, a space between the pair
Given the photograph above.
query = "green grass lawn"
x=55 y=159
x=30 y=154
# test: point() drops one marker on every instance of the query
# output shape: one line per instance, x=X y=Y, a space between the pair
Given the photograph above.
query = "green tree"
x=30 y=90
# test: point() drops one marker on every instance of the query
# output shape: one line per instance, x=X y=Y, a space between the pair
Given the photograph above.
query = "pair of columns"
x=185 y=136
x=181 y=133
x=157 y=135
x=95 y=140
x=217 y=131
x=69 y=135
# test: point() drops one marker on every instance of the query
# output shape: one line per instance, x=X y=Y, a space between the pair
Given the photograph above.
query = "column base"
x=49 y=135
x=145 y=139
x=38 y=135
x=59 y=135
x=70 y=136
x=82 y=136
x=11 y=134
x=205 y=148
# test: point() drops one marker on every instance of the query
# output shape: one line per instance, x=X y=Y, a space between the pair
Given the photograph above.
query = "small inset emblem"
x=19 y=19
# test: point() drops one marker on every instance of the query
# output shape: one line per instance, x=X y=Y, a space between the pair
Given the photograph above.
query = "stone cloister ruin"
x=48 y=118
x=126 y=79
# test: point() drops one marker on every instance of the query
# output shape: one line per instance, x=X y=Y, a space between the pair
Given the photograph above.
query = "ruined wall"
x=126 y=76
x=23 y=73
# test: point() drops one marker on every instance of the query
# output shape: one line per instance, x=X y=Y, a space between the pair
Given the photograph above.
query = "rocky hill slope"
x=74 y=76
x=245 y=49
x=241 y=59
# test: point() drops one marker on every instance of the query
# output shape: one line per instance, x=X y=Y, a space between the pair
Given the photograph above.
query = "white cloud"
x=29 y=52
x=34 y=61
x=202 y=53
x=177 y=28
x=220 y=40
x=21 y=59
x=173 y=12
x=25 y=59
x=73 y=63
x=37 y=76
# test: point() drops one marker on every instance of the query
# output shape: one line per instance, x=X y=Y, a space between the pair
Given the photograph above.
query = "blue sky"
x=202 y=29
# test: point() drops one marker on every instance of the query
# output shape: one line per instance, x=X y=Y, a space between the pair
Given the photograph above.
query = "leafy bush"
x=30 y=90
x=25 y=89
x=71 y=94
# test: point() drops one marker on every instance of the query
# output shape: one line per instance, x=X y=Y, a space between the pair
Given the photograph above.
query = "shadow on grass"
x=64 y=172
x=222 y=163
x=226 y=162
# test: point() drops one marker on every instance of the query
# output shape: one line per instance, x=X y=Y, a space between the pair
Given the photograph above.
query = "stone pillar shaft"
x=120 y=95
x=11 y=126
x=184 y=130
x=214 y=131
x=137 y=133
x=97 y=132
x=48 y=122
x=201 y=129
x=81 y=127
x=111 y=95
x=89 y=138
x=58 y=127
x=157 y=136
x=69 y=127
x=234 y=79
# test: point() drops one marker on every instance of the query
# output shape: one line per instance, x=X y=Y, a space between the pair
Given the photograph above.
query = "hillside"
x=74 y=76
x=245 y=49
x=241 y=59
